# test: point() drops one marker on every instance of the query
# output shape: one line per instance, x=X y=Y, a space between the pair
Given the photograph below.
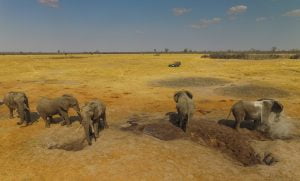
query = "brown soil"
x=227 y=140
x=251 y=91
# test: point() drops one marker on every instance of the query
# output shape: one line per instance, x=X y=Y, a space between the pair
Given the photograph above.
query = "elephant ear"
x=189 y=94
x=277 y=107
x=177 y=95
x=97 y=110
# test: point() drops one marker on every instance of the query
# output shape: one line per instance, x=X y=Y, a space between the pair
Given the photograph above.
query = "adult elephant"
x=47 y=108
x=185 y=107
x=18 y=101
x=259 y=111
x=93 y=119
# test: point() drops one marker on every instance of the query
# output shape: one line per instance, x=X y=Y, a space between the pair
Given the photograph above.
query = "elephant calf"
x=258 y=111
x=60 y=105
x=185 y=107
x=18 y=101
x=93 y=118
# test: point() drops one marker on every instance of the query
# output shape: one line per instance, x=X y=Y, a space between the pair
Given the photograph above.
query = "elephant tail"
x=229 y=114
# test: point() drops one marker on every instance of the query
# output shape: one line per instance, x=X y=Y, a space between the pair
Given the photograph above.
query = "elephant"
x=185 y=107
x=93 y=118
x=18 y=101
x=259 y=111
x=47 y=107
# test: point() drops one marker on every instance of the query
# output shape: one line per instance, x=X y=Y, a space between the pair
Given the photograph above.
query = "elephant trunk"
x=88 y=128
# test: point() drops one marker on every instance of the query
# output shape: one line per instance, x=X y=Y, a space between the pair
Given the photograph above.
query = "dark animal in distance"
x=175 y=64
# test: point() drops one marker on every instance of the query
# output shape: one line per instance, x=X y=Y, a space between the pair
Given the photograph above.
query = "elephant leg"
x=181 y=121
x=11 y=113
x=184 y=123
x=96 y=129
x=256 y=124
x=239 y=117
x=47 y=122
x=88 y=133
x=66 y=119
x=104 y=120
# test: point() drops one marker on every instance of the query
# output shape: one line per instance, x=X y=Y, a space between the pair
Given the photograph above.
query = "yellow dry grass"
x=123 y=82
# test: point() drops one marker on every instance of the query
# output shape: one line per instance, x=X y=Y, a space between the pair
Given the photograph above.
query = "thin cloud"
x=50 y=3
x=259 y=19
x=295 y=12
x=206 y=22
x=180 y=11
x=235 y=10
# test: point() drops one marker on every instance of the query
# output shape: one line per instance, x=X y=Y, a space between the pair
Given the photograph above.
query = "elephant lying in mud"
x=18 y=101
x=93 y=119
x=185 y=107
x=259 y=111
x=48 y=107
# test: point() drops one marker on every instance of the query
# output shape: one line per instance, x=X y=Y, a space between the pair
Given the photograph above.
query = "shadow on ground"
x=189 y=82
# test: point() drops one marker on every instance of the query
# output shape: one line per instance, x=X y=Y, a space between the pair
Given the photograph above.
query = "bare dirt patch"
x=251 y=91
x=233 y=143
x=189 y=82
x=223 y=138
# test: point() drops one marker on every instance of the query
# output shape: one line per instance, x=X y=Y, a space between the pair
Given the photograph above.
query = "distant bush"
x=297 y=56
x=205 y=56
x=229 y=56
x=246 y=56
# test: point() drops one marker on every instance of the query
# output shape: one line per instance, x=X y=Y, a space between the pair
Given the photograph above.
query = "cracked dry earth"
x=140 y=88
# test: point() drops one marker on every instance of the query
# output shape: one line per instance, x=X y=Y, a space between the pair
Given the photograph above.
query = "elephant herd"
x=92 y=115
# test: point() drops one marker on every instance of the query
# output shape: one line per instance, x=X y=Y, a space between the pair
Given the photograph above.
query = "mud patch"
x=251 y=91
x=189 y=82
x=72 y=146
x=227 y=140
x=164 y=132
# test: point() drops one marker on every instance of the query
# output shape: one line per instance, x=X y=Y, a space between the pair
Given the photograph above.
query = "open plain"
x=140 y=87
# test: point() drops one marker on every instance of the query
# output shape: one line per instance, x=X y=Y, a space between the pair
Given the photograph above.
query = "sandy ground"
x=133 y=85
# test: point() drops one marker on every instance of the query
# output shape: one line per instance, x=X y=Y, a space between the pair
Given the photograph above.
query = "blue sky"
x=144 y=25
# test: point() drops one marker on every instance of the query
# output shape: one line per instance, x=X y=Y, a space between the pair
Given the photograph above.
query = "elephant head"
x=180 y=93
x=68 y=101
x=23 y=108
x=273 y=106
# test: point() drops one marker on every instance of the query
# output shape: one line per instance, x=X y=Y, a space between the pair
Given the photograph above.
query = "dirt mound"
x=226 y=139
x=63 y=138
x=189 y=82
x=251 y=91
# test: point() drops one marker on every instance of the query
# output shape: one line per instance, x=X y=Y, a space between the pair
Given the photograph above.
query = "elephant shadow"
x=59 y=119
x=34 y=117
x=173 y=118
x=231 y=123
x=74 y=119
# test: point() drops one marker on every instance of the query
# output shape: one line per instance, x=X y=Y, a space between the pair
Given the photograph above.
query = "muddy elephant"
x=47 y=108
x=258 y=111
x=185 y=108
x=93 y=119
x=18 y=101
